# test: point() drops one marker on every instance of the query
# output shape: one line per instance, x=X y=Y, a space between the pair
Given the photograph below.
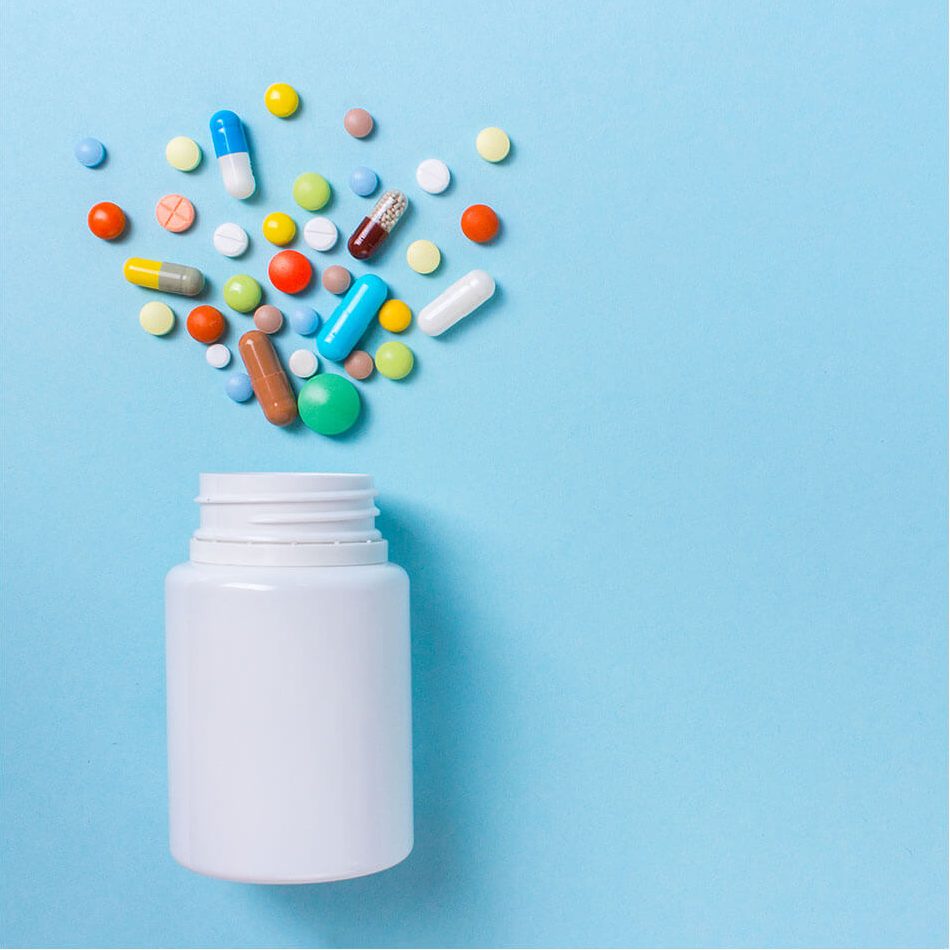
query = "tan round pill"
x=337 y=279
x=359 y=364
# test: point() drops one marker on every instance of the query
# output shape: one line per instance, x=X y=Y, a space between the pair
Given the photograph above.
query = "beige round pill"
x=359 y=364
x=423 y=257
x=183 y=153
x=156 y=318
x=337 y=279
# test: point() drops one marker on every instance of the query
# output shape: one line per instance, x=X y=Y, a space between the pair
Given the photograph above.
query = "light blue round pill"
x=90 y=152
x=303 y=320
x=239 y=387
x=363 y=181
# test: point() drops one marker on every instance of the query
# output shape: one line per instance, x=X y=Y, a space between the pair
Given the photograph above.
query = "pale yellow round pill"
x=183 y=153
x=156 y=318
x=423 y=257
x=493 y=144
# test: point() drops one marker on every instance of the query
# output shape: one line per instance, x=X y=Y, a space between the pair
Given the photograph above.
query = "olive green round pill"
x=394 y=360
x=311 y=191
x=242 y=293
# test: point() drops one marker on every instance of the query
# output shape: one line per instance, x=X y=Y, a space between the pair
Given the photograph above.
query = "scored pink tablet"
x=175 y=213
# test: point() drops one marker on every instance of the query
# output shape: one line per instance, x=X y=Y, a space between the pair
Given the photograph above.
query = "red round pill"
x=289 y=271
x=479 y=223
x=106 y=220
x=206 y=324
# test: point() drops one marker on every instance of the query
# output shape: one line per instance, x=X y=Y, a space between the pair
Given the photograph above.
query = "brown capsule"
x=270 y=384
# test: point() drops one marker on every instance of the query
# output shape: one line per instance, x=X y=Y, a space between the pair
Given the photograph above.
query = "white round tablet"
x=218 y=355
x=230 y=239
x=303 y=363
x=320 y=233
x=433 y=176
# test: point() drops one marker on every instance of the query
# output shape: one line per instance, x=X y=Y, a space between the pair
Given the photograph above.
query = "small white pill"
x=230 y=239
x=303 y=363
x=320 y=233
x=218 y=355
x=433 y=176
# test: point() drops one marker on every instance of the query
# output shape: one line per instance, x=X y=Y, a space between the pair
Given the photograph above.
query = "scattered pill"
x=493 y=144
x=423 y=257
x=290 y=272
x=373 y=230
x=479 y=223
x=268 y=378
x=395 y=316
x=329 y=404
x=358 y=122
x=359 y=364
x=206 y=324
x=268 y=319
x=350 y=320
x=238 y=387
x=242 y=293
x=433 y=176
x=218 y=355
x=363 y=181
x=279 y=228
x=163 y=276
x=311 y=191
x=303 y=320
x=106 y=220
x=183 y=153
x=234 y=160
x=458 y=301
x=90 y=152
x=230 y=239
x=281 y=100
x=175 y=213
x=156 y=318
x=303 y=363
x=320 y=233
x=394 y=360
x=337 y=279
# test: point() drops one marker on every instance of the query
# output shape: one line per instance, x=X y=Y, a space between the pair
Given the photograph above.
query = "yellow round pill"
x=156 y=318
x=493 y=144
x=281 y=100
x=279 y=228
x=423 y=257
x=394 y=316
x=183 y=153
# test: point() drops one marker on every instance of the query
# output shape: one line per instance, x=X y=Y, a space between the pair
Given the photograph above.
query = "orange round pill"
x=206 y=324
x=479 y=223
x=290 y=271
x=175 y=213
x=106 y=220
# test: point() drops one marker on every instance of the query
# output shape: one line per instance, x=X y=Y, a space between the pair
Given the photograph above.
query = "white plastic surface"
x=464 y=296
x=237 y=175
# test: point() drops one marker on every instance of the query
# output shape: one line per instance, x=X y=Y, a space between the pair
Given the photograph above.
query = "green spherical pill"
x=242 y=293
x=394 y=360
x=311 y=191
x=329 y=404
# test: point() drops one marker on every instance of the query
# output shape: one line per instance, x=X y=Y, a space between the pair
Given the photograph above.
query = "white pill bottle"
x=289 y=719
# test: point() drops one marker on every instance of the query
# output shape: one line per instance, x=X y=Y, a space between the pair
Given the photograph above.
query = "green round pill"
x=329 y=404
x=311 y=191
x=394 y=360
x=242 y=293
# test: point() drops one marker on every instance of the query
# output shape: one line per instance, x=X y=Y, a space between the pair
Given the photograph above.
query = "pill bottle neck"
x=292 y=519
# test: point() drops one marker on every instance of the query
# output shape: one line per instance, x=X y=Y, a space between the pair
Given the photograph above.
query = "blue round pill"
x=90 y=152
x=239 y=387
x=303 y=320
x=363 y=181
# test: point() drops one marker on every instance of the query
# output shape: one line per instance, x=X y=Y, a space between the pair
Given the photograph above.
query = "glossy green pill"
x=394 y=360
x=242 y=293
x=311 y=191
x=329 y=404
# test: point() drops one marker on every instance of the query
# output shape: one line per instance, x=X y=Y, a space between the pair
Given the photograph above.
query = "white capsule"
x=465 y=295
x=236 y=174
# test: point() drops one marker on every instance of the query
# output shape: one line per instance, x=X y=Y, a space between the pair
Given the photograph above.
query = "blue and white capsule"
x=234 y=159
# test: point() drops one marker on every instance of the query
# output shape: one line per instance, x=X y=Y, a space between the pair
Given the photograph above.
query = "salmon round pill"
x=395 y=316
x=106 y=220
x=281 y=100
x=175 y=213
x=394 y=360
x=329 y=404
x=337 y=279
x=268 y=318
x=206 y=324
x=183 y=153
x=238 y=387
x=242 y=293
x=230 y=239
x=320 y=233
x=303 y=363
x=358 y=122
x=156 y=318
x=279 y=228
x=493 y=144
x=90 y=152
x=290 y=271
x=359 y=364
x=479 y=223
x=311 y=191
x=423 y=257
x=218 y=355
x=433 y=176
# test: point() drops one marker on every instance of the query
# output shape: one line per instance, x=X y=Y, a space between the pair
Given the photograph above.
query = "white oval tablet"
x=303 y=363
x=218 y=355
x=320 y=233
x=433 y=176
x=230 y=239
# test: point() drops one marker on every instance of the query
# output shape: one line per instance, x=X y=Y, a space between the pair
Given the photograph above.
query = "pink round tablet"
x=268 y=319
x=175 y=213
x=337 y=279
x=358 y=122
x=359 y=364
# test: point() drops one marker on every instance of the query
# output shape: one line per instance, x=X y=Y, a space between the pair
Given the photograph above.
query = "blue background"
x=674 y=505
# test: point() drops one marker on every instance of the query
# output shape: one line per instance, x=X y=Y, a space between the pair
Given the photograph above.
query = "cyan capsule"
x=234 y=160
x=349 y=321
